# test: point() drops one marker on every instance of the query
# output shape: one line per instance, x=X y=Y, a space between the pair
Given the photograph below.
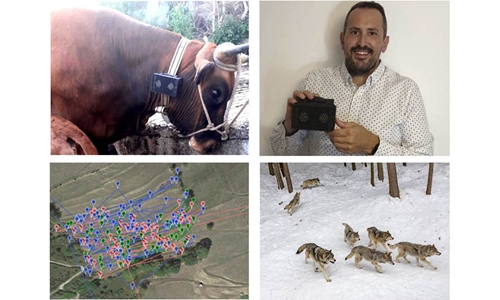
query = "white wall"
x=296 y=37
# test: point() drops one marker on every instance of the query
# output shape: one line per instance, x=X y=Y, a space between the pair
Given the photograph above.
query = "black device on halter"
x=315 y=114
x=167 y=84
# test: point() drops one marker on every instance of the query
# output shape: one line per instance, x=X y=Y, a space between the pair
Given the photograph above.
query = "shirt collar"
x=373 y=78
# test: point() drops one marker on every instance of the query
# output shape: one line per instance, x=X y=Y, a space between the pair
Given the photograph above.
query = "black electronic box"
x=315 y=114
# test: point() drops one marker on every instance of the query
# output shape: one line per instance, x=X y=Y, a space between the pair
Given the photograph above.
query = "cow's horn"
x=225 y=51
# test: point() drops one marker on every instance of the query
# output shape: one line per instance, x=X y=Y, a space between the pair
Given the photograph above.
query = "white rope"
x=173 y=68
x=210 y=126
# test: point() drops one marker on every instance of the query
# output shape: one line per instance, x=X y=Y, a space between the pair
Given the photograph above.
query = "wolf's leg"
x=378 y=268
x=385 y=247
x=400 y=254
x=418 y=262
x=314 y=266
x=406 y=258
x=324 y=272
x=428 y=262
x=357 y=259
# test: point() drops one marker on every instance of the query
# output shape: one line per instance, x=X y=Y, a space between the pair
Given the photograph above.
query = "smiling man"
x=379 y=112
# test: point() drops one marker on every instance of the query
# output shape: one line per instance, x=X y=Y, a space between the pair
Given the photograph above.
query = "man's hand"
x=352 y=138
x=288 y=116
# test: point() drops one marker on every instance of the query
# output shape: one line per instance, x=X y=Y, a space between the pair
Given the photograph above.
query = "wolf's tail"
x=301 y=248
x=350 y=254
x=392 y=246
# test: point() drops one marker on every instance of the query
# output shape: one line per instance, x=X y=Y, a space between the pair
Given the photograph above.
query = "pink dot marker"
x=56 y=226
x=202 y=203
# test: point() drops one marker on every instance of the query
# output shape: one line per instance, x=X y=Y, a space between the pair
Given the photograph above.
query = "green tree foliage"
x=220 y=21
x=139 y=11
x=181 y=21
x=231 y=30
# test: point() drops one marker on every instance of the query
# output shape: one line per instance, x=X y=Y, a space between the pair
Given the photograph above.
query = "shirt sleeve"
x=286 y=145
x=416 y=137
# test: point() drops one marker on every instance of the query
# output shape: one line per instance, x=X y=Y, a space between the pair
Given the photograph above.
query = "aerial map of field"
x=148 y=230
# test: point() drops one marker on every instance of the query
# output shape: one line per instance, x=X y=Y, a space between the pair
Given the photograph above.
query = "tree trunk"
x=279 y=179
x=372 y=174
x=286 y=172
x=271 y=171
x=429 y=179
x=380 y=170
x=353 y=166
x=393 y=180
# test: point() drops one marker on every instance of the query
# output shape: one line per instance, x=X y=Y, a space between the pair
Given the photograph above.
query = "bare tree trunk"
x=271 y=171
x=429 y=179
x=366 y=165
x=393 y=180
x=380 y=170
x=245 y=12
x=345 y=164
x=404 y=164
x=353 y=166
x=372 y=174
x=277 y=172
x=286 y=172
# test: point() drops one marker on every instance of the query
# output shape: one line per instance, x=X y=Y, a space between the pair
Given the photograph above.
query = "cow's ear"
x=204 y=60
x=202 y=68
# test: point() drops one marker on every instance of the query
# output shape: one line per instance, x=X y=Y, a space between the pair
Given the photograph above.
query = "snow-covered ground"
x=347 y=196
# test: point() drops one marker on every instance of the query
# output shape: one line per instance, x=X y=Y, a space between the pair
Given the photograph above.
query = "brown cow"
x=67 y=138
x=101 y=67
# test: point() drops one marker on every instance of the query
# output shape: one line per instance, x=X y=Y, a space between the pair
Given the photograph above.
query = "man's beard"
x=366 y=68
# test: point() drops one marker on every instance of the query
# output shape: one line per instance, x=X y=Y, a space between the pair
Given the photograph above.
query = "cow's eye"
x=217 y=96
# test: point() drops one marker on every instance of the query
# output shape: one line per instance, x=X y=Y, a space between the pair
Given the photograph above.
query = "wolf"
x=293 y=202
x=373 y=256
x=420 y=252
x=319 y=255
x=376 y=236
x=350 y=236
x=310 y=183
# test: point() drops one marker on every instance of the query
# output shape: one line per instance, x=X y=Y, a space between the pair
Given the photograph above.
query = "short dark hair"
x=368 y=4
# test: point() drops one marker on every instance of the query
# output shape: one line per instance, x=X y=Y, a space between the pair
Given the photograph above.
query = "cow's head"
x=214 y=84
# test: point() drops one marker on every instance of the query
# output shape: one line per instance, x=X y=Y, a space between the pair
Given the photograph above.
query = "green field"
x=222 y=268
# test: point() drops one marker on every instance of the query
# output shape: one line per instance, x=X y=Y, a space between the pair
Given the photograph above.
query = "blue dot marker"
x=132 y=285
x=193 y=237
x=110 y=266
x=166 y=200
x=107 y=248
x=69 y=238
x=177 y=170
x=93 y=202
x=186 y=194
x=130 y=202
x=117 y=184
x=171 y=179
x=176 y=178
x=139 y=206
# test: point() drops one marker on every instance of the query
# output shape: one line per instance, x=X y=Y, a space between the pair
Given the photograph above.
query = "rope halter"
x=222 y=128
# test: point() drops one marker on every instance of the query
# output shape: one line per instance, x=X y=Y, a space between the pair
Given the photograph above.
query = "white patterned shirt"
x=388 y=105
